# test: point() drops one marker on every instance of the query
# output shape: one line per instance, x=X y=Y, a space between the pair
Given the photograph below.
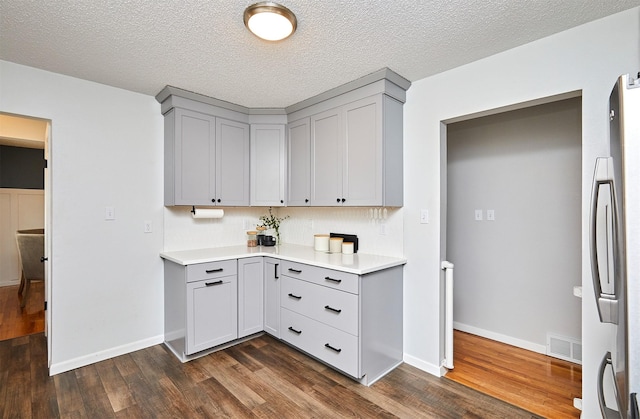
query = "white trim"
x=436 y=370
x=57 y=368
x=509 y=340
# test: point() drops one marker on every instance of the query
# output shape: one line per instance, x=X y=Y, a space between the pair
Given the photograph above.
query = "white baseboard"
x=60 y=367
x=9 y=283
x=424 y=366
x=509 y=340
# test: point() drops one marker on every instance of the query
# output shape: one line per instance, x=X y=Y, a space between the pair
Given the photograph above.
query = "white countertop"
x=360 y=263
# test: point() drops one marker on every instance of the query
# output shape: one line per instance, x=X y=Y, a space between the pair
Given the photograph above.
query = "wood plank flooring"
x=260 y=378
x=14 y=321
x=543 y=385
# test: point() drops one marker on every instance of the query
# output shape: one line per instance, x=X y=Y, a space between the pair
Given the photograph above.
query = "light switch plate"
x=478 y=215
x=491 y=215
x=109 y=213
x=424 y=216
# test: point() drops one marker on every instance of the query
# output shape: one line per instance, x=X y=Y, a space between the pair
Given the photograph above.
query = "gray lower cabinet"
x=250 y=296
x=351 y=322
x=272 y=296
x=201 y=306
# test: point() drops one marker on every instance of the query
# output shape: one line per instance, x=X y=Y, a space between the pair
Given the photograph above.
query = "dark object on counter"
x=269 y=241
x=348 y=238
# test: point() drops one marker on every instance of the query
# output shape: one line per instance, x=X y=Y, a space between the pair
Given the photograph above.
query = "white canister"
x=335 y=245
x=321 y=242
x=347 y=248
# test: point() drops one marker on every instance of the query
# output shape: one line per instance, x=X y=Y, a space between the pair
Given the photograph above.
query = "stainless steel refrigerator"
x=615 y=251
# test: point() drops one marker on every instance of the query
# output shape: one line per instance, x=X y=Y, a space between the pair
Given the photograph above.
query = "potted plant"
x=272 y=222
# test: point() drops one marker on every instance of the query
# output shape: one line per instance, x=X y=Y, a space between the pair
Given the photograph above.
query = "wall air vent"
x=565 y=348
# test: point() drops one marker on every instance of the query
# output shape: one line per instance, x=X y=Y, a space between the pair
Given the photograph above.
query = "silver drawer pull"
x=326 y=345
x=335 y=310
x=214 y=270
x=297 y=297
x=295 y=270
x=337 y=281
x=297 y=332
x=209 y=284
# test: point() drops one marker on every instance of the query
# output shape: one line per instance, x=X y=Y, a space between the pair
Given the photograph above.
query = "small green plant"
x=272 y=222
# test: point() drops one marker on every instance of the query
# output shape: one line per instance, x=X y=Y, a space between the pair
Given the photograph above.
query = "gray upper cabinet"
x=327 y=149
x=299 y=163
x=232 y=163
x=190 y=150
x=342 y=147
x=268 y=165
x=206 y=160
x=356 y=154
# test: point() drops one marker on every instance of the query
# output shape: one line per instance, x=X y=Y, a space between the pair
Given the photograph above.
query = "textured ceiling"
x=203 y=46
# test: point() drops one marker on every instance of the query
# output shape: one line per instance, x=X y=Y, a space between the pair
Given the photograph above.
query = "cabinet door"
x=212 y=313
x=192 y=156
x=250 y=296
x=272 y=296
x=362 y=176
x=326 y=162
x=232 y=163
x=267 y=165
x=299 y=163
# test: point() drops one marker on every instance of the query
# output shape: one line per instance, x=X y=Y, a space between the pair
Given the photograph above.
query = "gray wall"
x=514 y=276
x=21 y=168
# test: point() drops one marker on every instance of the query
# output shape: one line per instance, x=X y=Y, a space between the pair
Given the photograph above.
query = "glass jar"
x=252 y=240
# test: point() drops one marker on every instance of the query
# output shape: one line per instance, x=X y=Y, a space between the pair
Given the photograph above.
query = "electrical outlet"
x=109 y=213
x=383 y=229
x=148 y=226
x=478 y=215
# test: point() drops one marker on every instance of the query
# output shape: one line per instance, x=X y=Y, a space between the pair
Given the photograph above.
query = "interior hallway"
x=16 y=322
x=538 y=383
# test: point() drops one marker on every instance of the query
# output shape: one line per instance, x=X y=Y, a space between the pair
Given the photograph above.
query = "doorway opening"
x=513 y=231
x=24 y=212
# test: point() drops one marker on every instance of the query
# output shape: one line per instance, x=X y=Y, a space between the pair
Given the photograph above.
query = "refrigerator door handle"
x=607 y=303
x=607 y=413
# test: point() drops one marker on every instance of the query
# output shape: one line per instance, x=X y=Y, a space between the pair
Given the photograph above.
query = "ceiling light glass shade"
x=270 y=21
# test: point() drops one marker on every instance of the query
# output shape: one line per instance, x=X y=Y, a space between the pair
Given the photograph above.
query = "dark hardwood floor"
x=16 y=321
x=261 y=378
x=539 y=383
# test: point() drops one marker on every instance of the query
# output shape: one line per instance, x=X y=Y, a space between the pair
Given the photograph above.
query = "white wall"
x=587 y=58
x=106 y=150
x=515 y=274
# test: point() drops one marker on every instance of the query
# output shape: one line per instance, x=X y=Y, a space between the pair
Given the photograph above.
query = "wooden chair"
x=30 y=251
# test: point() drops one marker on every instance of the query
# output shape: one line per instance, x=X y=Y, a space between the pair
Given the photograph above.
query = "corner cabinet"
x=268 y=167
x=250 y=296
x=206 y=159
x=272 y=296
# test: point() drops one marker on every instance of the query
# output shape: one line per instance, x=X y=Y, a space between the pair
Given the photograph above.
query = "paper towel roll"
x=207 y=213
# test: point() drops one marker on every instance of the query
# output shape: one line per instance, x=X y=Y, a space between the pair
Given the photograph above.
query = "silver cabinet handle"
x=607 y=413
x=607 y=303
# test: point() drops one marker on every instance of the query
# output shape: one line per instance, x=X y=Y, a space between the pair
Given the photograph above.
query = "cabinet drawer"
x=327 y=305
x=210 y=270
x=326 y=343
x=328 y=277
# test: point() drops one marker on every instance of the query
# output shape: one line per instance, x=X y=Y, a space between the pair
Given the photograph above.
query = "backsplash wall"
x=181 y=231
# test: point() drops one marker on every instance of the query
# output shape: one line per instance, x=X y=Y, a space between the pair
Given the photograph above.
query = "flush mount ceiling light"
x=270 y=21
